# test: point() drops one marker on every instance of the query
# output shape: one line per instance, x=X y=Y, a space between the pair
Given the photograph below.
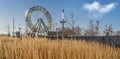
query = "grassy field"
x=42 y=48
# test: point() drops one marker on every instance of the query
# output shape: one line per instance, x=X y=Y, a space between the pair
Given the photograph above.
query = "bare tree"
x=97 y=27
x=108 y=30
x=93 y=29
x=72 y=22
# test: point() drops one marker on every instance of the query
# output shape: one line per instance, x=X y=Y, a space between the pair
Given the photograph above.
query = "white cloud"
x=95 y=6
x=107 y=8
x=91 y=7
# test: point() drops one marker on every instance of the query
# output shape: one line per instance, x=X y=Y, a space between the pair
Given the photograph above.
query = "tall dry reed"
x=42 y=48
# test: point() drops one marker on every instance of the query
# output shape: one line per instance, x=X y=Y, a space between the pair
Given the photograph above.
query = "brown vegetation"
x=42 y=48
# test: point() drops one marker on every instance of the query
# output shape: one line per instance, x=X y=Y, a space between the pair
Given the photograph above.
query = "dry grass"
x=42 y=48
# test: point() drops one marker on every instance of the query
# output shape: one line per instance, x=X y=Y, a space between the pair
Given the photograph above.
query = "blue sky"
x=10 y=9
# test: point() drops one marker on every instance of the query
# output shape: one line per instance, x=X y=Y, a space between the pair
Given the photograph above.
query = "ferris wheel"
x=40 y=26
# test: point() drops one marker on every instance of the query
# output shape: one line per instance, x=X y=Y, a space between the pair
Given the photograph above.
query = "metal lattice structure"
x=40 y=26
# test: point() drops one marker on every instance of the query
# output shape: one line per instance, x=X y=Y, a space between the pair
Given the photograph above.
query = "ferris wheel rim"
x=41 y=9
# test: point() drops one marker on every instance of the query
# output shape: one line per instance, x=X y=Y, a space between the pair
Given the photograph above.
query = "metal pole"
x=20 y=32
x=8 y=29
x=13 y=27
x=63 y=21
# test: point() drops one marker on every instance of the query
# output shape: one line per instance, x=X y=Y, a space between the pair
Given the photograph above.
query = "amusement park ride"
x=40 y=28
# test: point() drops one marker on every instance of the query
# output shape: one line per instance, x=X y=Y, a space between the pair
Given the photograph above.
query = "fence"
x=109 y=40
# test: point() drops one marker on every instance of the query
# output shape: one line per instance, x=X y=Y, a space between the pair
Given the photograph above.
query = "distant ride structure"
x=40 y=27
